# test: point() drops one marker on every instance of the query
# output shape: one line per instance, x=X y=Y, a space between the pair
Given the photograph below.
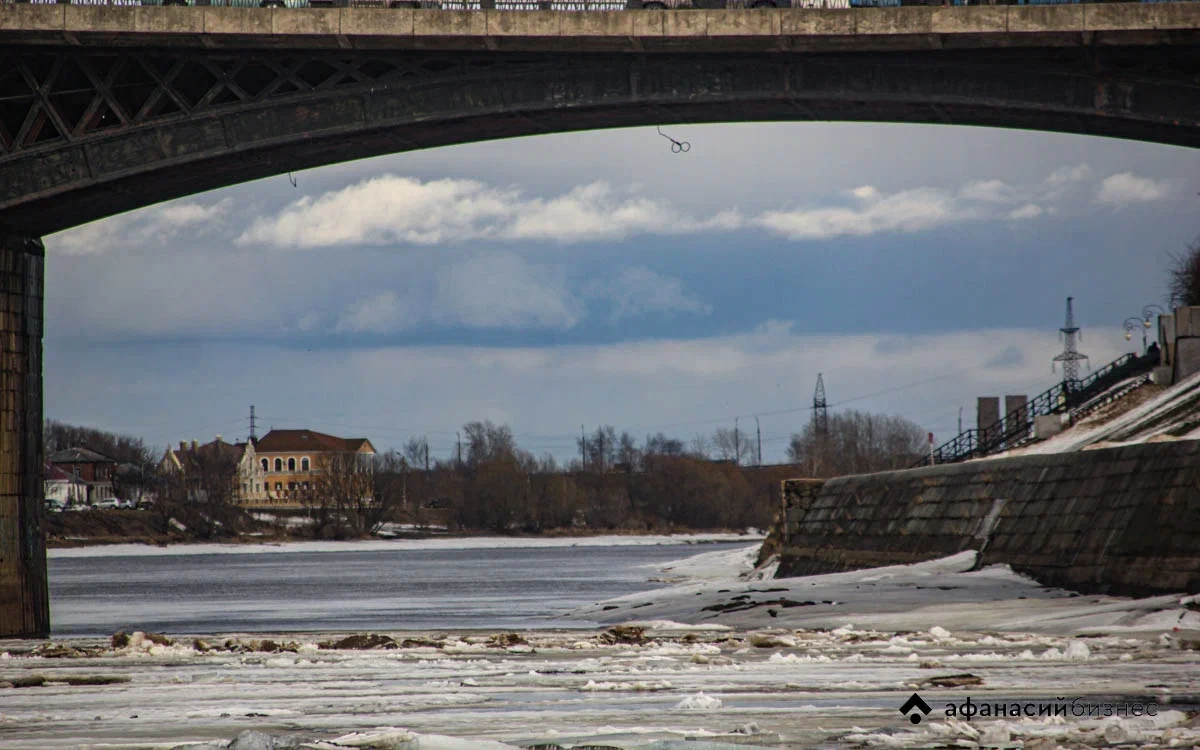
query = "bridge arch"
x=90 y=132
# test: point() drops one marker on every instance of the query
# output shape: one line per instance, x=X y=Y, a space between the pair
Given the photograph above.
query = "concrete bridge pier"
x=24 y=596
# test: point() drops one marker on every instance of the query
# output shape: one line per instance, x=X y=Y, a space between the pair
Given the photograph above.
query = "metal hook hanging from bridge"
x=677 y=147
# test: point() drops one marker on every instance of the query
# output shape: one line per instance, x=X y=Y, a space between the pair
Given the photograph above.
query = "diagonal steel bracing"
x=86 y=132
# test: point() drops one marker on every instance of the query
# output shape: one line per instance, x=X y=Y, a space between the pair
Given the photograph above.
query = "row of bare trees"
x=491 y=483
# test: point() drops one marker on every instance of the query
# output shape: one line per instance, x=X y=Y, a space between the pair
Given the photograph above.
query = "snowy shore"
x=723 y=588
x=813 y=675
x=367 y=545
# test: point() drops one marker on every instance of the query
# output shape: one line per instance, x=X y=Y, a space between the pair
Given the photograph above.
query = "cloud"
x=638 y=291
x=383 y=312
x=1126 y=188
x=1027 y=211
x=150 y=226
x=391 y=209
x=502 y=290
x=594 y=212
x=402 y=210
x=498 y=290
x=1060 y=181
x=872 y=213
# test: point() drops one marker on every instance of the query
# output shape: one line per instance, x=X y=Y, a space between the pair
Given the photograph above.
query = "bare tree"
x=628 y=455
x=488 y=442
x=857 y=443
x=729 y=444
x=600 y=449
x=416 y=450
x=202 y=489
x=700 y=447
x=342 y=500
x=1183 y=276
x=661 y=445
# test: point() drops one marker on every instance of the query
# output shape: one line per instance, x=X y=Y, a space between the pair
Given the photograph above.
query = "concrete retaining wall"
x=1119 y=521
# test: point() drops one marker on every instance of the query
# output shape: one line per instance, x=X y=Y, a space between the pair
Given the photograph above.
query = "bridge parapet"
x=782 y=29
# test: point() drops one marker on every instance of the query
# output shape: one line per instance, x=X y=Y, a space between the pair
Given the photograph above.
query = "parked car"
x=109 y=503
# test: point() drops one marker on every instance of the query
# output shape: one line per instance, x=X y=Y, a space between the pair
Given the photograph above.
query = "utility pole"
x=1070 y=358
x=758 y=430
x=582 y=449
x=737 y=444
x=458 y=443
x=253 y=436
x=820 y=409
x=960 y=420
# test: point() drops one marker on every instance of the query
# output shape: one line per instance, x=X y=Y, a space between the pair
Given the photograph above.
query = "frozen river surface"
x=712 y=655
x=416 y=585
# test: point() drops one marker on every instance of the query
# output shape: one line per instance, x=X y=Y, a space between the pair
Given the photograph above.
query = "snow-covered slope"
x=944 y=593
x=1171 y=414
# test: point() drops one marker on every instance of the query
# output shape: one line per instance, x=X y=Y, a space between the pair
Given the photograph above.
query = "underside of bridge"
x=91 y=131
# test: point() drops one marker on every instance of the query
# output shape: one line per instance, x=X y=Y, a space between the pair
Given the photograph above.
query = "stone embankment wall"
x=1119 y=521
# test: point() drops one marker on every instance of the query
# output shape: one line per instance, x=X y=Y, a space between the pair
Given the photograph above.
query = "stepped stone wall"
x=1119 y=521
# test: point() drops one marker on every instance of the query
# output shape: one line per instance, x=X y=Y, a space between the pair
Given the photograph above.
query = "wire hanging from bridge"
x=677 y=147
x=291 y=179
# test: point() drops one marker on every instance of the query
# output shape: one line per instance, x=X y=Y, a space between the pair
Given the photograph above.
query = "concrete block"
x=449 y=23
x=649 y=22
x=1047 y=426
x=304 y=21
x=1120 y=17
x=168 y=20
x=93 y=18
x=1176 y=16
x=764 y=22
x=987 y=412
x=602 y=24
x=237 y=20
x=1187 y=321
x=376 y=22
x=809 y=22
x=507 y=23
x=1045 y=18
x=30 y=17
x=685 y=23
x=910 y=20
x=975 y=19
x=1187 y=357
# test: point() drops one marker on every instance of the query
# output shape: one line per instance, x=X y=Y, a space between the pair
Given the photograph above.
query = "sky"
x=560 y=281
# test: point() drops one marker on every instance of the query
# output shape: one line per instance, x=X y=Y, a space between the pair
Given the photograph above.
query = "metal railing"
x=1072 y=396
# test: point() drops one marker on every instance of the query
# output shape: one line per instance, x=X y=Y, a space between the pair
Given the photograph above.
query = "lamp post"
x=1132 y=323
x=1147 y=315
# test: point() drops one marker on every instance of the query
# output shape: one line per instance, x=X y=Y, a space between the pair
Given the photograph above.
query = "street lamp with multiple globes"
x=1147 y=316
x=1132 y=323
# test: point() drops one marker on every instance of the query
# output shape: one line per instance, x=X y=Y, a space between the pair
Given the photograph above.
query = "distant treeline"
x=491 y=483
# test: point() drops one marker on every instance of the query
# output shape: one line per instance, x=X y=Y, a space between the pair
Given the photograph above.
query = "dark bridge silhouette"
x=105 y=109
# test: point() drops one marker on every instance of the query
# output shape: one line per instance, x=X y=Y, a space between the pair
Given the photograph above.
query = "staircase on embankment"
x=1073 y=398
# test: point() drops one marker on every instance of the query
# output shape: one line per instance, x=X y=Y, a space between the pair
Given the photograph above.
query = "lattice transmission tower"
x=1070 y=357
x=820 y=409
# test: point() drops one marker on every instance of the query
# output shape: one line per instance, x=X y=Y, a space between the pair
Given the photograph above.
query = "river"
x=454 y=584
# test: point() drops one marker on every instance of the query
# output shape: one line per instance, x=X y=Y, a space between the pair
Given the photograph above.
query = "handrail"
x=1063 y=396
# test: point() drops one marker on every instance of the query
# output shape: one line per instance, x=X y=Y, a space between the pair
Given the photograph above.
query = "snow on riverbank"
x=368 y=545
x=624 y=689
x=712 y=588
